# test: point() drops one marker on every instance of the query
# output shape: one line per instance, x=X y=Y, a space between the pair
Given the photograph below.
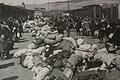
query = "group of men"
x=10 y=32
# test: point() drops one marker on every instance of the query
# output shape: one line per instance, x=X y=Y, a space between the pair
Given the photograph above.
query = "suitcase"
x=100 y=75
x=90 y=75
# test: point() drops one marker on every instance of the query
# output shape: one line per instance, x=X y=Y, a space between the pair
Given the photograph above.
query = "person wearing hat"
x=114 y=40
x=69 y=25
x=3 y=46
x=60 y=25
x=102 y=30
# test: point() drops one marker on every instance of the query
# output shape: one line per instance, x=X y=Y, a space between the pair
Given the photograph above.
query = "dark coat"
x=116 y=36
x=3 y=44
x=60 y=24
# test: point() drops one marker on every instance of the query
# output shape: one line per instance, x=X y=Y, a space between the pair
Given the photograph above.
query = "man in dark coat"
x=102 y=30
x=3 y=47
x=78 y=25
x=5 y=41
x=116 y=36
x=69 y=25
x=60 y=25
x=92 y=27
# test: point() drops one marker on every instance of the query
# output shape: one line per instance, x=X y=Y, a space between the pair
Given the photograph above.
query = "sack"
x=18 y=34
x=96 y=33
x=22 y=58
x=111 y=35
x=49 y=41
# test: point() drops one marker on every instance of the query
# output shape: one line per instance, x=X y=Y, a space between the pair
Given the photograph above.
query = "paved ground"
x=11 y=70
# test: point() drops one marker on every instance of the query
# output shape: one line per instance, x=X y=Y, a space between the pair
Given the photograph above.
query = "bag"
x=111 y=35
x=18 y=34
x=22 y=58
x=90 y=75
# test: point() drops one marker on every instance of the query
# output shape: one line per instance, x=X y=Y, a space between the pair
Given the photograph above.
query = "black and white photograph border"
x=59 y=39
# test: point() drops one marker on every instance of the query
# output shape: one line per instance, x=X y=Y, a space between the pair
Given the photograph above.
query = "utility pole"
x=68 y=5
x=48 y=5
x=35 y=4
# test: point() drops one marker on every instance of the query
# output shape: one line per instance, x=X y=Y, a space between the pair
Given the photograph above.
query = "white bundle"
x=39 y=50
x=28 y=61
x=56 y=52
x=19 y=53
x=35 y=71
x=102 y=51
x=80 y=41
x=86 y=51
x=46 y=28
x=34 y=33
x=96 y=69
x=38 y=59
x=104 y=57
x=78 y=52
x=82 y=54
x=81 y=29
x=51 y=36
x=25 y=25
x=111 y=35
x=59 y=37
x=72 y=40
x=52 y=42
x=93 y=48
x=43 y=73
x=96 y=33
x=49 y=41
x=84 y=47
x=68 y=73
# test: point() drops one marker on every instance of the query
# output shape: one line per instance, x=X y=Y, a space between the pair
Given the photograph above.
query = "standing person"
x=60 y=25
x=16 y=30
x=102 y=30
x=69 y=25
x=116 y=37
x=5 y=42
x=2 y=47
x=87 y=26
x=78 y=25
x=20 y=28
x=92 y=27
x=10 y=23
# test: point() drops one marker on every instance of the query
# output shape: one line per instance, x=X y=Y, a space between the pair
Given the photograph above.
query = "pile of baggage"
x=60 y=64
x=52 y=56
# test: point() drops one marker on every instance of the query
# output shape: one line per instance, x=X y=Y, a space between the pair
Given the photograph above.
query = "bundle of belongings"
x=33 y=26
x=48 y=36
x=55 y=57
x=27 y=25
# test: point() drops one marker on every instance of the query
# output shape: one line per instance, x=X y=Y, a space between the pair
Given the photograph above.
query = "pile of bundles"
x=33 y=26
x=27 y=25
x=54 y=57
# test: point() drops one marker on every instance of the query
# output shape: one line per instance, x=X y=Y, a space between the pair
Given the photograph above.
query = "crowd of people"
x=10 y=32
x=54 y=56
